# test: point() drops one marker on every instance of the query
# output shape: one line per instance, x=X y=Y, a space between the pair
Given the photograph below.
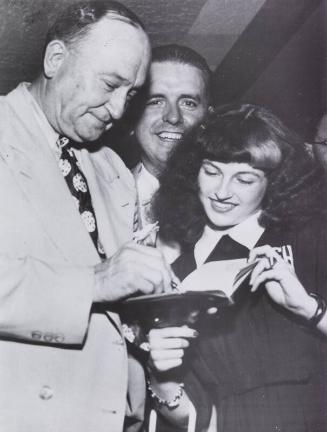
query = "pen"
x=174 y=286
x=145 y=235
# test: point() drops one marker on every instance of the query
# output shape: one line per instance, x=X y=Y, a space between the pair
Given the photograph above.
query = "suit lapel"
x=37 y=174
x=113 y=208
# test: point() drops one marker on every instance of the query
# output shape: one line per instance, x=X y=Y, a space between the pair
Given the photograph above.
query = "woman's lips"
x=222 y=207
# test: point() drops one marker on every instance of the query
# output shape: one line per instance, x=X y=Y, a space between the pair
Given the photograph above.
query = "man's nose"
x=116 y=105
x=172 y=114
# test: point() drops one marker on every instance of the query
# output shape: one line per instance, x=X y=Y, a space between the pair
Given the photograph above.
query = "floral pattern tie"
x=77 y=184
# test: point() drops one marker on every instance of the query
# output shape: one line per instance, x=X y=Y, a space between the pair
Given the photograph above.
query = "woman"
x=244 y=174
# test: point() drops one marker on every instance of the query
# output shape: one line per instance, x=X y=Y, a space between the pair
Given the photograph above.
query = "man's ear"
x=55 y=54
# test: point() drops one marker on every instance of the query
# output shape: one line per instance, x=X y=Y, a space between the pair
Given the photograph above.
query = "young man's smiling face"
x=177 y=101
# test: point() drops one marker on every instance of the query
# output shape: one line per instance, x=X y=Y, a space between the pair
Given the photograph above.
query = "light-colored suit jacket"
x=63 y=367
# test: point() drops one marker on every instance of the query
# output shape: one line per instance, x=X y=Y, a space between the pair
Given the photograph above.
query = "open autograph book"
x=206 y=290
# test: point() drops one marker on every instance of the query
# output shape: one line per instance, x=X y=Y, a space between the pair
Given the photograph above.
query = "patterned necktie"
x=77 y=184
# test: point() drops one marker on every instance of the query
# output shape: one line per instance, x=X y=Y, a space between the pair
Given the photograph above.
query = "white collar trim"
x=246 y=233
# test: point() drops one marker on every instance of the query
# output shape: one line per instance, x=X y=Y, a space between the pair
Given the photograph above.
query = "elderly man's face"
x=176 y=102
x=95 y=79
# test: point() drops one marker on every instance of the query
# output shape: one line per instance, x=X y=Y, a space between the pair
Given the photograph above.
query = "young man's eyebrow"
x=190 y=96
x=182 y=96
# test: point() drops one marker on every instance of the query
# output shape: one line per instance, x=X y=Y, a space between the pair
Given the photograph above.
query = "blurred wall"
x=294 y=84
x=23 y=25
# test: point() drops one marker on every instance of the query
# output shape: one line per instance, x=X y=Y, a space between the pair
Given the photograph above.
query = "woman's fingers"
x=265 y=276
x=169 y=343
x=263 y=264
x=165 y=359
x=167 y=346
x=269 y=265
x=165 y=365
x=264 y=252
x=171 y=337
x=279 y=279
x=172 y=332
x=171 y=354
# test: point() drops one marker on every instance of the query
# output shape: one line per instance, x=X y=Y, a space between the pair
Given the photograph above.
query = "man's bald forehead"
x=76 y=21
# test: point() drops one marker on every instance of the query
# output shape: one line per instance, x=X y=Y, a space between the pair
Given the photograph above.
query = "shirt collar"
x=247 y=233
x=147 y=175
x=147 y=184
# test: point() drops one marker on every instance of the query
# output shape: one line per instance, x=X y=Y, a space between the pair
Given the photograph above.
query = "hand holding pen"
x=148 y=237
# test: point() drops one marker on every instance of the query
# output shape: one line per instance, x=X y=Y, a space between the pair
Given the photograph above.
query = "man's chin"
x=90 y=135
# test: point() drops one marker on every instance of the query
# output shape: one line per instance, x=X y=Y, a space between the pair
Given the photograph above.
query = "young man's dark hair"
x=184 y=55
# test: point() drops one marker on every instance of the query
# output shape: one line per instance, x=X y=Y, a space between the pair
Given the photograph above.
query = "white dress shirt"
x=146 y=186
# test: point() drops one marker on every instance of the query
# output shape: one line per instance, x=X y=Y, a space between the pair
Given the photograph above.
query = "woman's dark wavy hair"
x=241 y=133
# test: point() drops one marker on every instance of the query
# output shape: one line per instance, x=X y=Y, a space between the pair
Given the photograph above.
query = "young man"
x=177 y=99
x=67 y=212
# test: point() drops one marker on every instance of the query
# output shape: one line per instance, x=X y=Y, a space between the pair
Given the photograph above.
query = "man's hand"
x=134 y=268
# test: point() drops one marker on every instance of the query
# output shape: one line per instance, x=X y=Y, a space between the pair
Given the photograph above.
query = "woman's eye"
x=210 y=171
x=245 y=181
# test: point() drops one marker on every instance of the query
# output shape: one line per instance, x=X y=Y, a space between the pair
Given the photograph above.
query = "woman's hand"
x=167 y=347
x=281 y=282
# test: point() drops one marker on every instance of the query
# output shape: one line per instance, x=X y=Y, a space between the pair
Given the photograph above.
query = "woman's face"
x=230 y=192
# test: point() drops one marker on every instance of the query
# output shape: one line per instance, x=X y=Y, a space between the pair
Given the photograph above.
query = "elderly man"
x=66 y=225
x=177 y=100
